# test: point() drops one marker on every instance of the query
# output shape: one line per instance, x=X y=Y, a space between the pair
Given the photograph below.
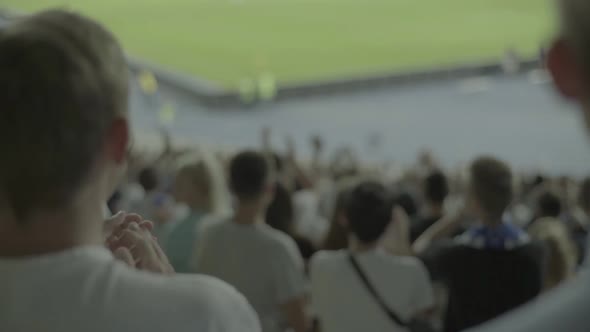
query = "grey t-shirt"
x=563 y=309
x=262 y=263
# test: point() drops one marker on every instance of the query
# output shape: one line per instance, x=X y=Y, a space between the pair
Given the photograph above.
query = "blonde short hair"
x=562 y=253
x=63 y=80
x=206 y=173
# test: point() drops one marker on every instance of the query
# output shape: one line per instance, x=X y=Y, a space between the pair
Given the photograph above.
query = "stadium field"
x=300 y=40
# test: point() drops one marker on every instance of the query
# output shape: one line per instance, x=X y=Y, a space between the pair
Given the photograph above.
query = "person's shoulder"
x=277 y=238
x=409 y=262
x=533 y=251
x=564 y=309
x=446 y=252
x=212 y=227
x=396 y=264
x=532 y=247
x=327 y=258
x=329 y=255
x=205 y=290
x=208 y=303
x=447 y=247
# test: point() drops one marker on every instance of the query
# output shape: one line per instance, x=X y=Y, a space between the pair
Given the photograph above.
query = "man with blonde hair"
x=568 y=60
x=64 y=135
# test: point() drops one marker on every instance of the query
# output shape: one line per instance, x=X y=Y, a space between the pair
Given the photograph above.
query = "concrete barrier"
x=398 y=79
x=215 y=96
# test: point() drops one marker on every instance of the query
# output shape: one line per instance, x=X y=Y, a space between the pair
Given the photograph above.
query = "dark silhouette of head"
x=436 y=188
x=249 y=176
x=368 y=211
x=148 y=179
x=491 y=187
x=548 y=205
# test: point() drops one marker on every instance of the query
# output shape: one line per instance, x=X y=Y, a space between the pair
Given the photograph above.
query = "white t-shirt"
x=86 y=289
x=563 y=309
x=262 y=263
x=308 y=221
x=342 y=302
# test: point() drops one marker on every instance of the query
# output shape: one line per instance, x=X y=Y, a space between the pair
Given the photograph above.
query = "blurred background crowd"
x=185 y=190
x=317 y=230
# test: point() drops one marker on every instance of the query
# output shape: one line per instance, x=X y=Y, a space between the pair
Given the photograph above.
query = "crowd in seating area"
x=282 y=231
x=96 y=235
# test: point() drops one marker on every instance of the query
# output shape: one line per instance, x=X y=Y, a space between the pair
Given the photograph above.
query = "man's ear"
x=118 y=140
x=567 y=74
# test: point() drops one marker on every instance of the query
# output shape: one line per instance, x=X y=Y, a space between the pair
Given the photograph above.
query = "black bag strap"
x=392 y=315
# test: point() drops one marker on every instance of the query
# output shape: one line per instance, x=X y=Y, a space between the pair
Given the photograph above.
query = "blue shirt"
x=180 y=244
x=505 y=236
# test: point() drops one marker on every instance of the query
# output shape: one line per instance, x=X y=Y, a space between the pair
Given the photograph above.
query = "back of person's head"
x=200 y=182
x=148 y=179
x=249 y=175
x=548 y=204
x=562 y=253
x=407 y=201
x=63 y=93
x=193 y=185
x=436 y=187
x=368 y=211
x=279 y=213
x=491 y=186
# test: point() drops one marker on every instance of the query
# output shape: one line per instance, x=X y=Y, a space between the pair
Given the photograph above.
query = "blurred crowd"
x=186 y=191
x=96 y=235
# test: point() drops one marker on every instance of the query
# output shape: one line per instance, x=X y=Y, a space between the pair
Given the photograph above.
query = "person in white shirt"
x=64 y=136
x=264 y=264
x=568 y=61
x=341 y=301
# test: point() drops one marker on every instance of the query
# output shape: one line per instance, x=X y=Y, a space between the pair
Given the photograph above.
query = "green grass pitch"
x=301 y=40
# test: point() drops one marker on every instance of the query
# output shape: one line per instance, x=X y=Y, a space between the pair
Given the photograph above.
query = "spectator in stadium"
x=436 y=190
x=280 y=216
x=561 y=251
x=568 y=61
x=64 y=78
x=194 y=187
x=156 y=205
x=341 y=301
x=548 y=205
x=261 y=262
x=493 y=267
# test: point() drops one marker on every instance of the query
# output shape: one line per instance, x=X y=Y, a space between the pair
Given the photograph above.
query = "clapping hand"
x=131 y=241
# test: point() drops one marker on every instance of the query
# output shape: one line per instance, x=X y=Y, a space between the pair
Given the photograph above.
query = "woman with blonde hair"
x=561 y=251
x=199 y=185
